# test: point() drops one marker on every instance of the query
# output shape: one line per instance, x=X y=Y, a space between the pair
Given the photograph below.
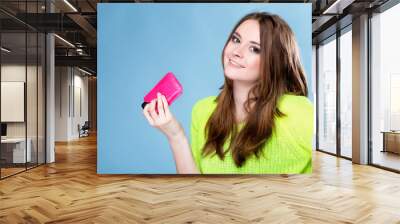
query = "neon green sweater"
x=288 y=151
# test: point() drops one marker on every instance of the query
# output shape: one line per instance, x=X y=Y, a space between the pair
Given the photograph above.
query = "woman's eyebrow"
x=253 y=42
x=237 y=34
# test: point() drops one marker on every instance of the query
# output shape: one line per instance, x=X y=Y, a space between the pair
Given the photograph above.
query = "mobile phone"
x=169 y=86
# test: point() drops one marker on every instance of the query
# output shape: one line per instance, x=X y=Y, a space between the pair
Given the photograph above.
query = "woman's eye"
x=235 y=39
x=255 y=50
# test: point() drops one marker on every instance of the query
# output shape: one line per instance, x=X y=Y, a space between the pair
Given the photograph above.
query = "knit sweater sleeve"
x=195 y=136
x=296 y=132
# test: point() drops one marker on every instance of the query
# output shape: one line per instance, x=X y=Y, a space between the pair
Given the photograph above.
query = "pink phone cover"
x=169 y=86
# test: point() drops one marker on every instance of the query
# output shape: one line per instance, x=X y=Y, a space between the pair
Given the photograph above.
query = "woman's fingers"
x=147 y=114
x=152 y=111
x=160 y=107
x=163 y=120
x=157 y=111
x=165 y=105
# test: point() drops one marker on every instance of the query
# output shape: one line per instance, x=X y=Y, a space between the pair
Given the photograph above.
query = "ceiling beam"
x=83 y=61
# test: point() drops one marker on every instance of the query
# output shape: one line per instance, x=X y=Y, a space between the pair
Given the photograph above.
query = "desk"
x=391 y=141
x=17 y=151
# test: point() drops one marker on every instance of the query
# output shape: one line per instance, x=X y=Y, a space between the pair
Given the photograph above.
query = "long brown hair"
x=280 y=72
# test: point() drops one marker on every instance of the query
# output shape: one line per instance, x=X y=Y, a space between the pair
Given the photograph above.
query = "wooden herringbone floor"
x=70 y=191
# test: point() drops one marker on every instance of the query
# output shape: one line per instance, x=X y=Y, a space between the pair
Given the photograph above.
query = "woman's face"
x=242 y=53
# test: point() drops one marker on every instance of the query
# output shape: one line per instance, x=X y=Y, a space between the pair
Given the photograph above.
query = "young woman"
x=261 y=122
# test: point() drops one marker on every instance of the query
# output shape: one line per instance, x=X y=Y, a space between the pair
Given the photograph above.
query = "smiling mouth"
x=235 y=64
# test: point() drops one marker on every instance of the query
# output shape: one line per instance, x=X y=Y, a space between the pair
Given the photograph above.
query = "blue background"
x=139 y=43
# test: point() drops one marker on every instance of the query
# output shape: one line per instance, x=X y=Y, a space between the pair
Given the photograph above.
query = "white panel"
x=12 y=101
x=77 y=112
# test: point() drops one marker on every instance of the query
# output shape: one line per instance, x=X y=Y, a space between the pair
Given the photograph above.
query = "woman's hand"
x=158 y=115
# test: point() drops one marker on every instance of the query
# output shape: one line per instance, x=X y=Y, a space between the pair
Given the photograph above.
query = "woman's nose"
x=238 y=51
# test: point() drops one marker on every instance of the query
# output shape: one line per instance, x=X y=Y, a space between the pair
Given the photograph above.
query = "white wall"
x=62 y=81
x=70 y=84
x=81 y=89
x=15 y=72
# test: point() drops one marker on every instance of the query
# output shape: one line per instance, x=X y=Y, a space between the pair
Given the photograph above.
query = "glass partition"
x=346 y=93
x=32 y=95
x=13 y=109
x=327 y=96
x=385 y=89
x=22 y=78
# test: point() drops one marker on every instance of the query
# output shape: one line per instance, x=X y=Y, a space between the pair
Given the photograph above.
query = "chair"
x=84 y=130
